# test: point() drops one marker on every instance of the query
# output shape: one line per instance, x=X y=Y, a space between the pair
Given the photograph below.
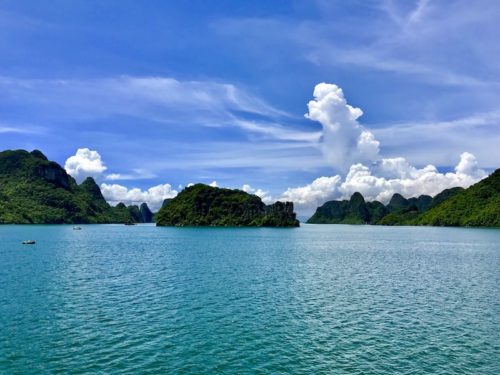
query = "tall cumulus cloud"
x=349 y=147
x=344 y=140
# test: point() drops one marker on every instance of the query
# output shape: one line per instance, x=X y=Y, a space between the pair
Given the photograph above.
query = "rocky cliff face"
x=203 y=205
x=146 y=214
x=477 y=205
x=53 y=173
x=36 y=190
x=353 y=211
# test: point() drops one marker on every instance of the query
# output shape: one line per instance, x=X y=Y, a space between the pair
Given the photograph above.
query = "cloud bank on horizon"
x=346 y=145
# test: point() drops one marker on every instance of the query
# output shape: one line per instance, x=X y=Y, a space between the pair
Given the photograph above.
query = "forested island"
x=203 y=205
x=34 y=190
x=478 y=206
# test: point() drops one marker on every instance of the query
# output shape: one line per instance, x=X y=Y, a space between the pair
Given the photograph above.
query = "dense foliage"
x=479 y=205
x=202 y=205
x=36 y=190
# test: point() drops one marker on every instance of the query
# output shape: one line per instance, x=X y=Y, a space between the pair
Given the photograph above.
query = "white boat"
x=29 y=242
x=77 y=228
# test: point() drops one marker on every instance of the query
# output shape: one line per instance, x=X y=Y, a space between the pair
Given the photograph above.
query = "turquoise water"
x=317 y=299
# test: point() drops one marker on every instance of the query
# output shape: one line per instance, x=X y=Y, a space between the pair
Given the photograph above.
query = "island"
x=478 y=206
x=203 y=205
x=34 y=190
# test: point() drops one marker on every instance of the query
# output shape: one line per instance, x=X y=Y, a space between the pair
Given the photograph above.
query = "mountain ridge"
x=478 y=205
x=35 y=190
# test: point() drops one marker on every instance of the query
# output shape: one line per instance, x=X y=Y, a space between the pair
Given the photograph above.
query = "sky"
x=293 y=100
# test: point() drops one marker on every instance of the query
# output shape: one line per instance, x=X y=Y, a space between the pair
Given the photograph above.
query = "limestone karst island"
x=34 y=190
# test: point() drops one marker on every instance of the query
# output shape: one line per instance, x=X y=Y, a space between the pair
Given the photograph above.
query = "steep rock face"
x=332 y=212
x=422 y=203
x=36 y=190
x=353 y=211
x=90 y=187
x=203 y=205
x=397 y=203
x=358 y=207
x=135 y=213
x=478 y=205
x=146 y=214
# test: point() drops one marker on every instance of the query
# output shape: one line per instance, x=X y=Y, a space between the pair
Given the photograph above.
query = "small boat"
x=130 y=223
x=77 y=228
x=29 y=242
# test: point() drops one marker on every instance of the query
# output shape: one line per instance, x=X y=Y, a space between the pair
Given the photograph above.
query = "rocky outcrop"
x=146 y=214
x=353 y=211
x=478 y=205
x=203 y=205
x=36 y=190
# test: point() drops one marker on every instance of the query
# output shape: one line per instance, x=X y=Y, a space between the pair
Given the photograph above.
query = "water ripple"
x=319 y=299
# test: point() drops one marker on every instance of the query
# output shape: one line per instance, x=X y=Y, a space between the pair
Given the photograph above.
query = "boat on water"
x=29 y=242
x=77 y=228
x=130 y=223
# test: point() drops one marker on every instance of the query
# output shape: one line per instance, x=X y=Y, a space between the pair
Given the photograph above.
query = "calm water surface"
x=318 y=299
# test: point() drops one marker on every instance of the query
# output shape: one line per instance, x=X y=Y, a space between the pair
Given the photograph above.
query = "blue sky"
x=174 y=92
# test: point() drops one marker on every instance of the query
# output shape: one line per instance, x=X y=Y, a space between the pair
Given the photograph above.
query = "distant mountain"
x=479 y=205
x=402 y=211
x=36 y=190
x=353 y=211
x=203 y=205
x=146 y=215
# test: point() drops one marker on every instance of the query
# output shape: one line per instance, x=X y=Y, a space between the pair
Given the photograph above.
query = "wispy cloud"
x=19 y=129
x=159 y=99
x=439 y=141
x=135 y=174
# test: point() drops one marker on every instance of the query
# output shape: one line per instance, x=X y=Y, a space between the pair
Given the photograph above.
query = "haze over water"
x=317 y=299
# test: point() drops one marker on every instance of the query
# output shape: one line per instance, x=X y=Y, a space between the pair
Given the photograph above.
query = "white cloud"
x=441 y=141
x=154 y=196
x=307 y=198
x=468 y=166
x=345 y=141
x=84 y=163
x=19 y=129
x=383 y=179
x=264 y=195
x=137 y=174
x=164 y=100
x=213 y=184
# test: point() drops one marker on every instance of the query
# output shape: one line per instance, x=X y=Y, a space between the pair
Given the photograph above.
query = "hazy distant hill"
x=203 y=205
x=36 y=190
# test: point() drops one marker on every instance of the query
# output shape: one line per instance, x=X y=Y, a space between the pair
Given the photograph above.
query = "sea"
x=319 y=299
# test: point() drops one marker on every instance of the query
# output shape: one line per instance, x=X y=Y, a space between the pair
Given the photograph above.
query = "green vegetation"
x=203 y=205
x=479 y=205
x=34 y=190
x=353 y=211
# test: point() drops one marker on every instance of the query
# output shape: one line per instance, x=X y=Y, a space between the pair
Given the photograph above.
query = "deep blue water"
x=317 y=299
